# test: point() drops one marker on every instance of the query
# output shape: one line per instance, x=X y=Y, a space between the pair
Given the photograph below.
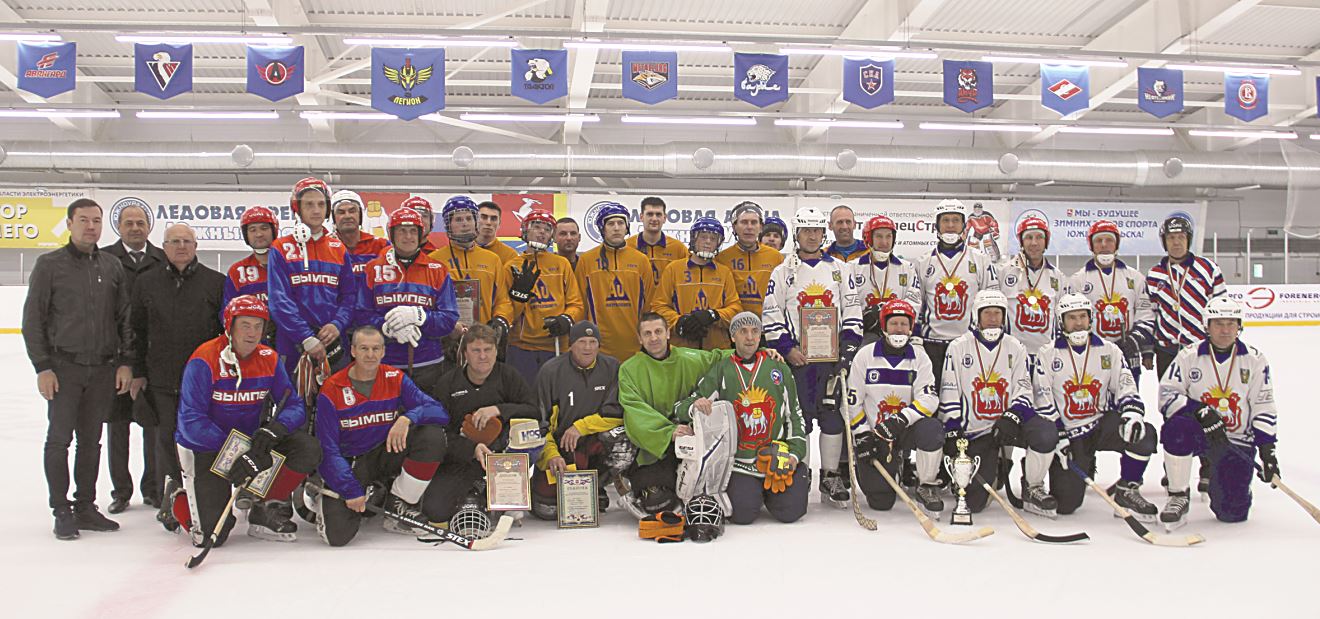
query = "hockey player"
x=891 y=406
x=846 y=246
x=424 y=210
x=545 y=298
x=1218 y=399
x=773 y=233
x=1117 y=293
x=312 y=295
x=698 y=296
x=986 y=397
x=1032 y=286
x=951 y=276
x=810 y=278
x=1083 y=384
x=360 y=246
x=659 y=247
x=227 y=384
x=567 y=238
x=489 y=217
x=410 y=298
x=882 y=276
x=750 y=261
x=475 y=271
x=616 y=283
x=248 y=276
x=983 y=232
x=376 y=429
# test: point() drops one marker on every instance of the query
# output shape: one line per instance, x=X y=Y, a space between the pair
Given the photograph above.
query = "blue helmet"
x=608 y=210
x=705 y=224
x=456 y=204
x=775 y=222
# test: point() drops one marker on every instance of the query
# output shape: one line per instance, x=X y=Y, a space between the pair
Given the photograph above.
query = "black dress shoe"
x=65 y=525
x=89 y=519
x=117 y=506
x=151 y=501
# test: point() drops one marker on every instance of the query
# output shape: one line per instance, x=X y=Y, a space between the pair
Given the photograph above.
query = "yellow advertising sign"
x=33 y=220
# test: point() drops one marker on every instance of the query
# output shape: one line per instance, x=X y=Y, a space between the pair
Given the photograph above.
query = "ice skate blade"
x=270 y=535
x=1032 y=509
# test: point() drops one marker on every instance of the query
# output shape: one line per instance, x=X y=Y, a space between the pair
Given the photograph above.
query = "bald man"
x=175 y=309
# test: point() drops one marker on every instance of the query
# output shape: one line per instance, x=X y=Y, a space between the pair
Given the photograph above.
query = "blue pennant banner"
x=1246 y=97
x=539 y=75
x=1065 y=89
x=650 y=77
x=760 y=79
x=275 y=72
x=1160 y=91
x=868 y=83
x=47 y=69
x=968 y=85
x=162 y=70
x=408 y=82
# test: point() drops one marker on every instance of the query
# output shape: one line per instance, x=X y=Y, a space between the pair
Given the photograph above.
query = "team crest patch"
x=1131 y=285
x=349 y=398
x=967 y=361
x=1246 y=376
x=1194 y=375
x=776 y=377
x=971 y=267
x=1010 y=280
x=1088 y=288
x=837 y=277
x=902 y=280
x=1054 y=283
x=1105 y=363
x=1057 y=365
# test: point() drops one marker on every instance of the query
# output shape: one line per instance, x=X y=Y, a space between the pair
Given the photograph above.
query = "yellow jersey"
x=501 y=249
x=685 y=286
x=556 y=292
x=475 y=273
x=660 y=254
x=616 y=285
x=751 y=272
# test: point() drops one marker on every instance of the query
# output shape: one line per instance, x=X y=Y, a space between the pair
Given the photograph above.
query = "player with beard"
x=567 y=238
x=615 y=282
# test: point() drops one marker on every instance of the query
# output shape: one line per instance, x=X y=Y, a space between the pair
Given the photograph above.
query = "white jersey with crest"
x=1076 y=388
x=980 y=382
x=948 y=286
x=1032 y=295
x=1239 y=387
x=797 y=283
x=880 y=385
x=894 y=279
x=1118 y=297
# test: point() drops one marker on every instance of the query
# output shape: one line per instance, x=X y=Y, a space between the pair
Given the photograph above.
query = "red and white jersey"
x=880 y=385
x=821 y=282
x=895 y=279
x=1077 y=386
x=1237 y=385
x=1118 y=296
x=948 y=285
x=982 y=226
x=981 y=382
x=1032 y=318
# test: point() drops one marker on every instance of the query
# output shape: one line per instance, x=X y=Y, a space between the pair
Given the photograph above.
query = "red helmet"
x=537 y=216
x=1103 y=225
x=245 y=305
x=308 y=184
x=257 y=215
x=405 y=217
x=879 y=222
x=896 y=307
x=1034 y=223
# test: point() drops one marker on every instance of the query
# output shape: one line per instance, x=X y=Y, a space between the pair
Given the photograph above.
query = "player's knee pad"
x=1146 y=446
x=880 y=501
x=927 y=434
x=1182 y=436
x=1040 y=435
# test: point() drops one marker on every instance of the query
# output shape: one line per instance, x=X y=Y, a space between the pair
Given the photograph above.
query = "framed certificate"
x=237 y=444
x=820 y=333
x=508 y=482
x=468 y=294
x=577 y=500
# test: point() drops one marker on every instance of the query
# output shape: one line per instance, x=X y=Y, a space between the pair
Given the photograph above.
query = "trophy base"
x=964 y=519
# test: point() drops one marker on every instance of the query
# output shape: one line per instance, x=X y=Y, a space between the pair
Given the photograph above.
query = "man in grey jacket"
x=76 y=328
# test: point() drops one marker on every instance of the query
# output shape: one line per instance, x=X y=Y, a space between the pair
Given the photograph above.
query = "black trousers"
x=118 y=431
x=927 y=434
x=1164 y=358
x=936 y=351
x=166 y=404
x=1068 y=487
x=78 y=411
x=426 y=377
x=1037 y=435
x=339 y=524
x=747 y=493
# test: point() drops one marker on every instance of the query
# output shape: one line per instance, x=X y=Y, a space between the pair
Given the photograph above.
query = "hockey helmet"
x=305 y=185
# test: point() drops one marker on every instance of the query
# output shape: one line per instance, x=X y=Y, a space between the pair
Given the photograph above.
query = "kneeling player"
x=367 y=441
x=226 y=385
x=891 y=391
x=767 y=466
x=1083 y=383
x=1217 y=398
x=986 y=397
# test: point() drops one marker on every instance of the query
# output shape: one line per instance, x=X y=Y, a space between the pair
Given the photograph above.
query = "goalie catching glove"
x=775 y=462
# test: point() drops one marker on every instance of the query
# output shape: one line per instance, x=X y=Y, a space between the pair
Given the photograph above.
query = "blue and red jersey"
x=216 y=397
x=305 y=297
x=368 y=248
x=426 y=284
x=247 y=276
x=350 y=424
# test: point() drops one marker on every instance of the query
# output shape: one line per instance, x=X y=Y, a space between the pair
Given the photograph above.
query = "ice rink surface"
x=823 y=565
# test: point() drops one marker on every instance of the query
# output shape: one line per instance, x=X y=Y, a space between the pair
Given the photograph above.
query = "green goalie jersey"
x=766 y=402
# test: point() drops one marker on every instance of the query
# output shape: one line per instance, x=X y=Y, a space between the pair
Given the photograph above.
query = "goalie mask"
x=471 y=521
x=705 y=519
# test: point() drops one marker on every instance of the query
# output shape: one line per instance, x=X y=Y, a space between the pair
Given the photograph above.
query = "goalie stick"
x=1277 y=482
x=209 y=542
x=1022 y=524
x=933 y=531
x=438 y=535
x=1132 y=522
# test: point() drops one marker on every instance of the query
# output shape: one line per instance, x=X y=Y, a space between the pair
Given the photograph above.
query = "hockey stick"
x=1132 y=522
x=1277 y=482
x=440 y=535
x=933 y=531
x=1022 y=523
x=209 y=542
x=866 y=523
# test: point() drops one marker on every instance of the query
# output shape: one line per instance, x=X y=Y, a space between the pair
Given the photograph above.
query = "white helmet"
x=1222 y=307
x=809 y=217
x=945 y=207
x=1073 y=302
x=345 y=195
x=987 y=299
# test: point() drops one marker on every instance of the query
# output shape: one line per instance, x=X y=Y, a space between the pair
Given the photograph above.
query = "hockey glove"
x=1131 y=347
x=683 y=327
x=246 y=467
x=405 y=316
x=1008 y=428
x=1269 y=463
x=501 y=327
x=524 y=280
x=1133 y=427
x=705 y=318
x=264 y=439
x=1212 y=423
x=871 y=319
x=558 y=325
x=892 y=427
x=870 y=446
x=774 y=461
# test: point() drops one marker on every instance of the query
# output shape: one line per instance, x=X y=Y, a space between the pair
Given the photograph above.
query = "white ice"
x=822 y=565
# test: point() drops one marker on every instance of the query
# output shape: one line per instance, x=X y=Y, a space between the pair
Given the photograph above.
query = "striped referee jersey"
x=1179 y=292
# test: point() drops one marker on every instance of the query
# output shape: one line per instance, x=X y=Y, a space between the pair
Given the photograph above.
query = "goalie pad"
x=706 y=457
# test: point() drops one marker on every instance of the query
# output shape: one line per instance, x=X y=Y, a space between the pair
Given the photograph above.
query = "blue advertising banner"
x=1160 y=91
x=539 y=75
x=968 y=85
x=1246 y=97
x=868 y=83
x=650 y=77
x=1065 y=89
x=408 y=82
x=47 y=69
x=162 y=70
x=1138 y=222
x=275 y=72
x=760 y=79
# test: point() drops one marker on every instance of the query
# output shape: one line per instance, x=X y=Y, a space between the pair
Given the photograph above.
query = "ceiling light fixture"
x=689 y=120
x=31 y=37
x=1248 y=70
x=830 y=122
x=1007 y=128
x=1165 y=131
x=529 y=118
x=1261 y=135
x=456 y=42
x=870 y=52
x=646 y=47
x=1074 y=62
x=186 y=115
x=11 y=113
x=318 y=115
x=189 y=38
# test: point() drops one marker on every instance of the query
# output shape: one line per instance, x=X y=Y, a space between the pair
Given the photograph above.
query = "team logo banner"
x=969 y=86
x=162 y=70
x=1159 y=91
x=408 y=82
x=1246 y=97
x=760 y=79
x=275 y=72
x=47 y=69
x=868 y=83
x=539 y=75
x=650 y=77
x=1065 y=89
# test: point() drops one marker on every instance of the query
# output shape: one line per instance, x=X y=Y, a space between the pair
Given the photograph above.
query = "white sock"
x=408 y=488
x=1179 y=470
x=831 y=445
x=928 y=465
x=1037 y=465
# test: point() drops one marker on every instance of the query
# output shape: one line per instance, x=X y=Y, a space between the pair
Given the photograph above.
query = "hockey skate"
x=834 y=489
x=270 y=521
x=396 y=505
x=1037 y=501
x=1174 y=514
x=165 y=515
x=1128 y=495
x=928 y=498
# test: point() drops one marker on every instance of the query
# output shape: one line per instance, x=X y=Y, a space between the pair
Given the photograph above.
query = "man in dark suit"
x=137 y=254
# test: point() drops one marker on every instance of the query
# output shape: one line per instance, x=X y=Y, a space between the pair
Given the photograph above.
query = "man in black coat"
x=136 y=254
x=176 y=308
